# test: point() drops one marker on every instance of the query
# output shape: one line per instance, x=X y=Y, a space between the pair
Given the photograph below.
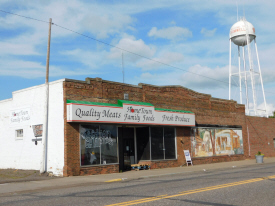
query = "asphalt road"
x=253 y=185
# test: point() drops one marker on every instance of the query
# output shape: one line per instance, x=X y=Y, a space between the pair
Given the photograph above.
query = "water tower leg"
x=266 y=113
x=245 y=82
x=240 y=77
x=251 y=70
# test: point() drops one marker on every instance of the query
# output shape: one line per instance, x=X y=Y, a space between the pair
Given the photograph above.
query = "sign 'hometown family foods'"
x=127 y=112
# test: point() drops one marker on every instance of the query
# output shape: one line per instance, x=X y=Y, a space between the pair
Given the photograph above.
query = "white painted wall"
x=23 y=153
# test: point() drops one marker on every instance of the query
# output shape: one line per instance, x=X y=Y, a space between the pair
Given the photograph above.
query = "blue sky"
x=192 y=36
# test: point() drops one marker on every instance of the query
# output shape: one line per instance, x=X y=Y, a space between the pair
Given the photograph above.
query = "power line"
x=122 y=49
x=125 y=50
x=23 y=16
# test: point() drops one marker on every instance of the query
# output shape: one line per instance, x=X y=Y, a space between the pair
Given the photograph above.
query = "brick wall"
x=261 y=132
x=103 y=169
x=208 y=111
x=215 y=159
x=72 y=150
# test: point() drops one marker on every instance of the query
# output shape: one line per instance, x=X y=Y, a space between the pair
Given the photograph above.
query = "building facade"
x=98 y=126
x=20 y=117
x=154 y=144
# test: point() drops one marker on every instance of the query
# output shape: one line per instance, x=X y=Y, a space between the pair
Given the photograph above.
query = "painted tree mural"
x=212 y=141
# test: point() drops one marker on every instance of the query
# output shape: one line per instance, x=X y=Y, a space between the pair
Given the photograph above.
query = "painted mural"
x=208 y=142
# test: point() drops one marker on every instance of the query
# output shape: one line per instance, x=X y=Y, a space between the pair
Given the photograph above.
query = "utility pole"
x=44 y=160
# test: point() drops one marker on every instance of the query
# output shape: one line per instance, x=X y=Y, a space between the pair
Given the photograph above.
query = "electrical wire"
x=115 y=46
x=122 y=49
x=138 y=54
x=23 y=16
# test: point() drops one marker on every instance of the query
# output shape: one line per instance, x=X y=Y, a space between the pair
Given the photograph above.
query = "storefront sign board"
x=126 y=113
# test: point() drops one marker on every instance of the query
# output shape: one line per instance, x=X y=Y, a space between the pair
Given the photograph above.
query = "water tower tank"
x=238 y=32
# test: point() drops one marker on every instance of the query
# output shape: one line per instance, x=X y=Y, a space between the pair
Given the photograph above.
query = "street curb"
x=116 y=180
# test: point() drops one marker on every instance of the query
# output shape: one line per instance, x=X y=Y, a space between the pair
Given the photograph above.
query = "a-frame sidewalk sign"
x=187 y=157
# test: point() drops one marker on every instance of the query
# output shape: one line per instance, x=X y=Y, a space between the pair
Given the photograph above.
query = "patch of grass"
x=15 y=174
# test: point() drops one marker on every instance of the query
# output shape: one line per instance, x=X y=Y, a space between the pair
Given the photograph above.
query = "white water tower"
x=242 y=34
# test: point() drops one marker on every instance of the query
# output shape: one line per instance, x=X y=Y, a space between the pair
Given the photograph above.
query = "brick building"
x=220 y=132
x=108 y=126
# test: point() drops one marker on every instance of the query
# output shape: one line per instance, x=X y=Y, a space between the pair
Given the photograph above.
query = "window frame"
x=16 y=134
x=101 y=164
x=164 y=147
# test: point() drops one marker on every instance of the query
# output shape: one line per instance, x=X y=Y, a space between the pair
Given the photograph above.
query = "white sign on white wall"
x=20 y=116
x=128 y=113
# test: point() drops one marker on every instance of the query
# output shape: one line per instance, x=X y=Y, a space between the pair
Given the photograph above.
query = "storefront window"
x=98 y=144
x=169 y=142
x=143 y=143
x=157 y=143
x=109 y=149
x=163 y=143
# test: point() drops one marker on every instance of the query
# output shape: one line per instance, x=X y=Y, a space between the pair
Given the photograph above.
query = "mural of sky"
x=163 y=42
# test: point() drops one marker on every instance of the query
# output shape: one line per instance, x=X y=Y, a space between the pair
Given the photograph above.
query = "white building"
x=19 y=115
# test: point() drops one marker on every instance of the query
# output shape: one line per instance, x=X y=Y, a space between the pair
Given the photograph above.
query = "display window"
x=143 y=143
x=157 y=143
x=98 y=144
x=169 y=143
x=163 y=144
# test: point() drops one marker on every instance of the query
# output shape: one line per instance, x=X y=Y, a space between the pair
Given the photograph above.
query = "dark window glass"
x=143 y=143
x=157 y=143
x=108 y=144
x=126 y=147
x=98 y=145
x=169 y=143
x=89 y=145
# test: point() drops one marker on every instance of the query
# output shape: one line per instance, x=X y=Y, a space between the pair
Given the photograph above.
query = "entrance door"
x=128 y=152
x=126 y=147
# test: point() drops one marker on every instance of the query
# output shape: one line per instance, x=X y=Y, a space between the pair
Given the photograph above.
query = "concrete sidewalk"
x=17 y=187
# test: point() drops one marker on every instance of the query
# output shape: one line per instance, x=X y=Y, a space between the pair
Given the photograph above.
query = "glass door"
x=126 y=147
x=128 y=152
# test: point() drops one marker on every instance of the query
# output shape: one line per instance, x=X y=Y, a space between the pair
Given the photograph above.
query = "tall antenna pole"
x=230 y=72
x=122 y=63
x=44 y=161
x=237 y=11
x=243 y=10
